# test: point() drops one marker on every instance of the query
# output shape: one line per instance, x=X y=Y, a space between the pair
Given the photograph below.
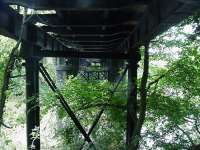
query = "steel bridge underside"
x=94 y=29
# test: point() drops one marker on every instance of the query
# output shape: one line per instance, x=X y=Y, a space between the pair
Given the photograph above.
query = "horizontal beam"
x=160 y=16
x=189 y=1
x=93 y=37
x=88 y=18
x=86 y=45
x=10 y=26
x=88 y=42
x=99 y=46
x=76 y=4
x=81 y=54
x=85 y=29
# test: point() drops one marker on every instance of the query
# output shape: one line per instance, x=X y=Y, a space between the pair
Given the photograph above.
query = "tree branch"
x=196 y=126
x=103 y=104
x=6 y=126
x=143 y=101
x=187 y=135
x=98 y=116
x=155 y=81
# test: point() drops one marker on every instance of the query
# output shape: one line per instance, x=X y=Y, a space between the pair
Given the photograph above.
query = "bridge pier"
x=32 y=103
x=32 y=98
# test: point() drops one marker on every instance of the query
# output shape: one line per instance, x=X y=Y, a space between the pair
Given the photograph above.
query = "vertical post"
x=75 y=66
x=132 y=97
x=65 y=68
x=32 y=88
x=32 y=95
x=114 y=70
x=32 y=103
x=61 y=69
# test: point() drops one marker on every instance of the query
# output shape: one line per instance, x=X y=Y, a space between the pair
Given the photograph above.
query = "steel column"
x=32 y=103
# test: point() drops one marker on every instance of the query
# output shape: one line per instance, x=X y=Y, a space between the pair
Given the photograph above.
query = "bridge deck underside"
x=99 y=27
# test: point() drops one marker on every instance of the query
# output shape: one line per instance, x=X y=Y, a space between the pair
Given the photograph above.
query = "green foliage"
x=86 y=98
x=14 y=110
x=174 y=101
x=5 y=48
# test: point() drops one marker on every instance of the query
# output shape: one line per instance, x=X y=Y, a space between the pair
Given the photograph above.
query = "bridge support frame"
x=32 y=97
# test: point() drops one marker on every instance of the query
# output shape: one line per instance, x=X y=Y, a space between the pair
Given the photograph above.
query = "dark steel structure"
x=102 y=29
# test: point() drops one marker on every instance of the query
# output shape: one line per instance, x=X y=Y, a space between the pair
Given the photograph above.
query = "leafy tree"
x=173 y=104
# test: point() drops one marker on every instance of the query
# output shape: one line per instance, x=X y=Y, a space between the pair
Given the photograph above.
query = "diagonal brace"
x=64 y=103
x=98 y=116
